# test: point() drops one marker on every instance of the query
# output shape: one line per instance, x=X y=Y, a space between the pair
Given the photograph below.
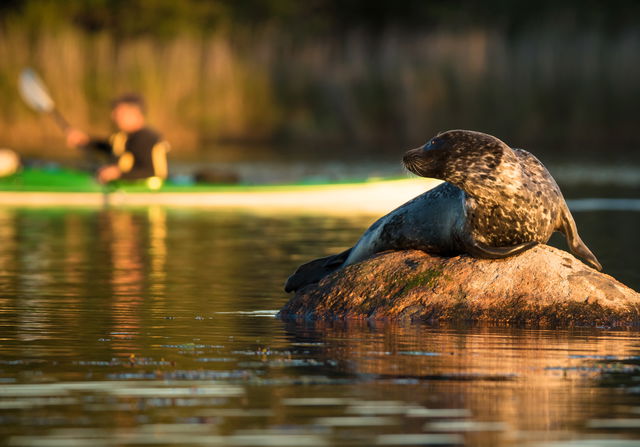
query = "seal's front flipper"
x=576 y=245
x=314 y=271
x=480 y=250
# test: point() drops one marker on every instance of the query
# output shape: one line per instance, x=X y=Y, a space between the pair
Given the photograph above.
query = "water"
x=156 y=326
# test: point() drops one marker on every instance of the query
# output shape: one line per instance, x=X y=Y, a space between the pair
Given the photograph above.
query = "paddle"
x=36 y=95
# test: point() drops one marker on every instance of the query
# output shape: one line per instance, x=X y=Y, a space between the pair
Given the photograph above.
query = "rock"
x=542 y=286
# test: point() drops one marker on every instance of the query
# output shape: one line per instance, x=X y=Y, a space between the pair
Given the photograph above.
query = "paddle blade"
x=34 y=92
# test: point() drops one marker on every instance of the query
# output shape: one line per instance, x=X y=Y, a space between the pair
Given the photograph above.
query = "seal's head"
x=457 y=155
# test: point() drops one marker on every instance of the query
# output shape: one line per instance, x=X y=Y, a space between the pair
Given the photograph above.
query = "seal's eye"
x=433 y=143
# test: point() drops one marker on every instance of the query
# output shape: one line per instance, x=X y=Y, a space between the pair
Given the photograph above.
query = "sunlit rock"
x=542 y=286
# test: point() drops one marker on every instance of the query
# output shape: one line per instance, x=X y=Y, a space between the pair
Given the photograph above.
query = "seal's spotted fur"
x=510 y=197
x=495 y=202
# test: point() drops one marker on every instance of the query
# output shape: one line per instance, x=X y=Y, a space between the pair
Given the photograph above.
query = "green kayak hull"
x=62 y=187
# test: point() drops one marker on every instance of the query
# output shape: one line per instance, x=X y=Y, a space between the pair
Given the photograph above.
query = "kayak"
x=64 y=187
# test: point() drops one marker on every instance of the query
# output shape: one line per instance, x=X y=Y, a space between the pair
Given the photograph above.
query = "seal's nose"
x=411 y=157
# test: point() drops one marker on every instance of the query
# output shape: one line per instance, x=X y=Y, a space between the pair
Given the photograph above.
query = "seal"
x=495 y=202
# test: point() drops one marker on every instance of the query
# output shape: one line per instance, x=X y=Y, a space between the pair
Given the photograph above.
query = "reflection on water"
x=155 y=326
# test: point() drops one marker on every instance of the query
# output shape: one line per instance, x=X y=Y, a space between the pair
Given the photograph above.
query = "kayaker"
x=138 y=152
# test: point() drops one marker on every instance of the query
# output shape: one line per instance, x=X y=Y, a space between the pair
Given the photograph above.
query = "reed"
x=552 y=88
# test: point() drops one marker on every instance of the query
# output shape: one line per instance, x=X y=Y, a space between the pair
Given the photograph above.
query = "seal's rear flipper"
x=480 y=250
x=315 y=270
x=578 y=248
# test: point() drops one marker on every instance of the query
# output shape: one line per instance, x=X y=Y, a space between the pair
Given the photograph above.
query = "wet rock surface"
x=542 y=286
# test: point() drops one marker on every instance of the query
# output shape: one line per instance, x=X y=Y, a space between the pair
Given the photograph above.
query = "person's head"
x=127 y=112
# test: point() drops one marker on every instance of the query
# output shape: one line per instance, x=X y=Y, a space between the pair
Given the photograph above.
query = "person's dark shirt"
x=140 y=154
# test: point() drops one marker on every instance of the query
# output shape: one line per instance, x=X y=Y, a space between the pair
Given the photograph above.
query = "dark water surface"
x=155 y=327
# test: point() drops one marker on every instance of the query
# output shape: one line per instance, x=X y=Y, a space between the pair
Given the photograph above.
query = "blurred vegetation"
x=556 y=76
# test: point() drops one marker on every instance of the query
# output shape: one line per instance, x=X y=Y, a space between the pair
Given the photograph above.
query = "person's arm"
x=159 y=159
x=79 y=139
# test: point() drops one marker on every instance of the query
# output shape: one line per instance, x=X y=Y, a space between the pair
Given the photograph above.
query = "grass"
x=557 y=89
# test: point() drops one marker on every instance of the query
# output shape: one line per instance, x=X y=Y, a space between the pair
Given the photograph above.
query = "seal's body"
x=512 y=201
x=495 y=202
x=433 y=222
